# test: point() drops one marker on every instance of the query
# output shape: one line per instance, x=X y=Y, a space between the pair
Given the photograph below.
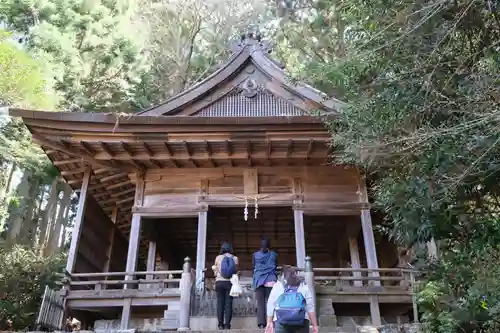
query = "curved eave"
x=231 y=68
x=117 y=123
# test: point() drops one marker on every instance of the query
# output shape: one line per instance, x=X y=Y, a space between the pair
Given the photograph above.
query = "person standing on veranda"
x=291 y=308
x=226 y=264
x=264 y=264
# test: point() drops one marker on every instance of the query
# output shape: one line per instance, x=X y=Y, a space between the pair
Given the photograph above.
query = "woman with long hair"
x=290 y=308
x=226 y=264
x=264 y=263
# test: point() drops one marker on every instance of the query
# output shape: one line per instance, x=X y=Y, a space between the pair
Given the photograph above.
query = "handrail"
x=104 y=274
x=368 y=270
x=111 y=282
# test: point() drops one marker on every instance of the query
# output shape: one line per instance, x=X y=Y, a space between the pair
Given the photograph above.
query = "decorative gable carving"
x=261 y=103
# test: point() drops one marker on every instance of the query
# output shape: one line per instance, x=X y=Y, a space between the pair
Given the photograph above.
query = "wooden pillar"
x=300 y=241
x=133 y=247
x=201 y=248
x=185 y=302
x=355 y=261
x=80 y=215
x=370 y=249
x=151 y=260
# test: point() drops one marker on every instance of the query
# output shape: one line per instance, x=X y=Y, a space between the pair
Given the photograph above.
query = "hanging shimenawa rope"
x=256 y=204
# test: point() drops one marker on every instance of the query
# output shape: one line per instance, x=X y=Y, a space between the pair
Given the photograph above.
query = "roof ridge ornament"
x=251 y=40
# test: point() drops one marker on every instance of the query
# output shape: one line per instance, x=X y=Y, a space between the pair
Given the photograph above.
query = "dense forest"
x=422 y=89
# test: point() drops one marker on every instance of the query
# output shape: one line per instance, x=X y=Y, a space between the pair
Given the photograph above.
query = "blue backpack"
x=291 y=309
x=227 y=267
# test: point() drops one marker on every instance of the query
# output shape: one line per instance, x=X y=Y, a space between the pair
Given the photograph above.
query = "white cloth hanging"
x=235 y=288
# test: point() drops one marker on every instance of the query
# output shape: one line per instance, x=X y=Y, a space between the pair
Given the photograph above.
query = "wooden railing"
x=119 y=280
x=358 y=277
x=134 y=284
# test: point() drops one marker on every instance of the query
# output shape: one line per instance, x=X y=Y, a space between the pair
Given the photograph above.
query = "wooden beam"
x=189 y=153
x=218 y=155
x=97 y=186
x=119 y=194
x=103 y=170
x=148 y=150
x=106 y=149
x=87 y=158
x=78 y=224
x=119 y=202
x=113 y=177
x=64 y=162
x=208 y=148
x=124 y=183
x=126 y=148
x=73 y=172
x=87 y=148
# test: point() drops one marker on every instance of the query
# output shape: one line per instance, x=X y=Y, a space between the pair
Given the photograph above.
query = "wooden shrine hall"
x=236 y=157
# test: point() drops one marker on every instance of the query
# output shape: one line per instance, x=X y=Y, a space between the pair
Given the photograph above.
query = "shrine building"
x=239 y=156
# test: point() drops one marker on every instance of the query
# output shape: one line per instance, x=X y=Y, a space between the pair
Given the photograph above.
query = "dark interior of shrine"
x=326 y=236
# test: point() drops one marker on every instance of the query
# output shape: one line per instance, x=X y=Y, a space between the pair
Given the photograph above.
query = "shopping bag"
x=235 y=288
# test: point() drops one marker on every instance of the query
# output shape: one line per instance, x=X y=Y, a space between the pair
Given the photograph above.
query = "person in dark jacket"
x=264 y=264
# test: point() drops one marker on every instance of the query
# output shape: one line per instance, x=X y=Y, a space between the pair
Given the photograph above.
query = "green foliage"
x=23 y=277
x=422 y=86
x=16 y=146
x=93 y=47
x=22 y=78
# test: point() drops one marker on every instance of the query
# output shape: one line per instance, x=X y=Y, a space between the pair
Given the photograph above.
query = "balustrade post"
x=309 y=277
x=414 y=297
x=185 y=289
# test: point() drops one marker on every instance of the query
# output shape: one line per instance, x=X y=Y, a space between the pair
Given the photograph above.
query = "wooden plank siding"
x=324 y=188
x=97 y=227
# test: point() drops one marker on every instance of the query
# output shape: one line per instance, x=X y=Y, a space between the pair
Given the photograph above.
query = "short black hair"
x=226 y=248
x=265 y=244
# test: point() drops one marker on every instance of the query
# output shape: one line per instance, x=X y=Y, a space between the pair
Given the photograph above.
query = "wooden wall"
x=95 y=240
x=318 y=188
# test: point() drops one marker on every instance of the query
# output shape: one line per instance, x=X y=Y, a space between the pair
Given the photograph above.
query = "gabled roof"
x=249 y=84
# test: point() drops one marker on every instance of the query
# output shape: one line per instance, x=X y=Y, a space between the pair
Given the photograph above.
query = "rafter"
x=70 y=161
x=119 y=194
x=208 y=148
x=124 y=183
x=148 y=149
x=114 y=177
x=44 y=142
x=73 y=172
x=188 y=151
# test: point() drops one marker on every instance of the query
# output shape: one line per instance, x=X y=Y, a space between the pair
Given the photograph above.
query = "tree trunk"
x=28 y=227
x=38 y=215
x=48 y=216
x=55 y=235
x=18 y=211
x=4 y=194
